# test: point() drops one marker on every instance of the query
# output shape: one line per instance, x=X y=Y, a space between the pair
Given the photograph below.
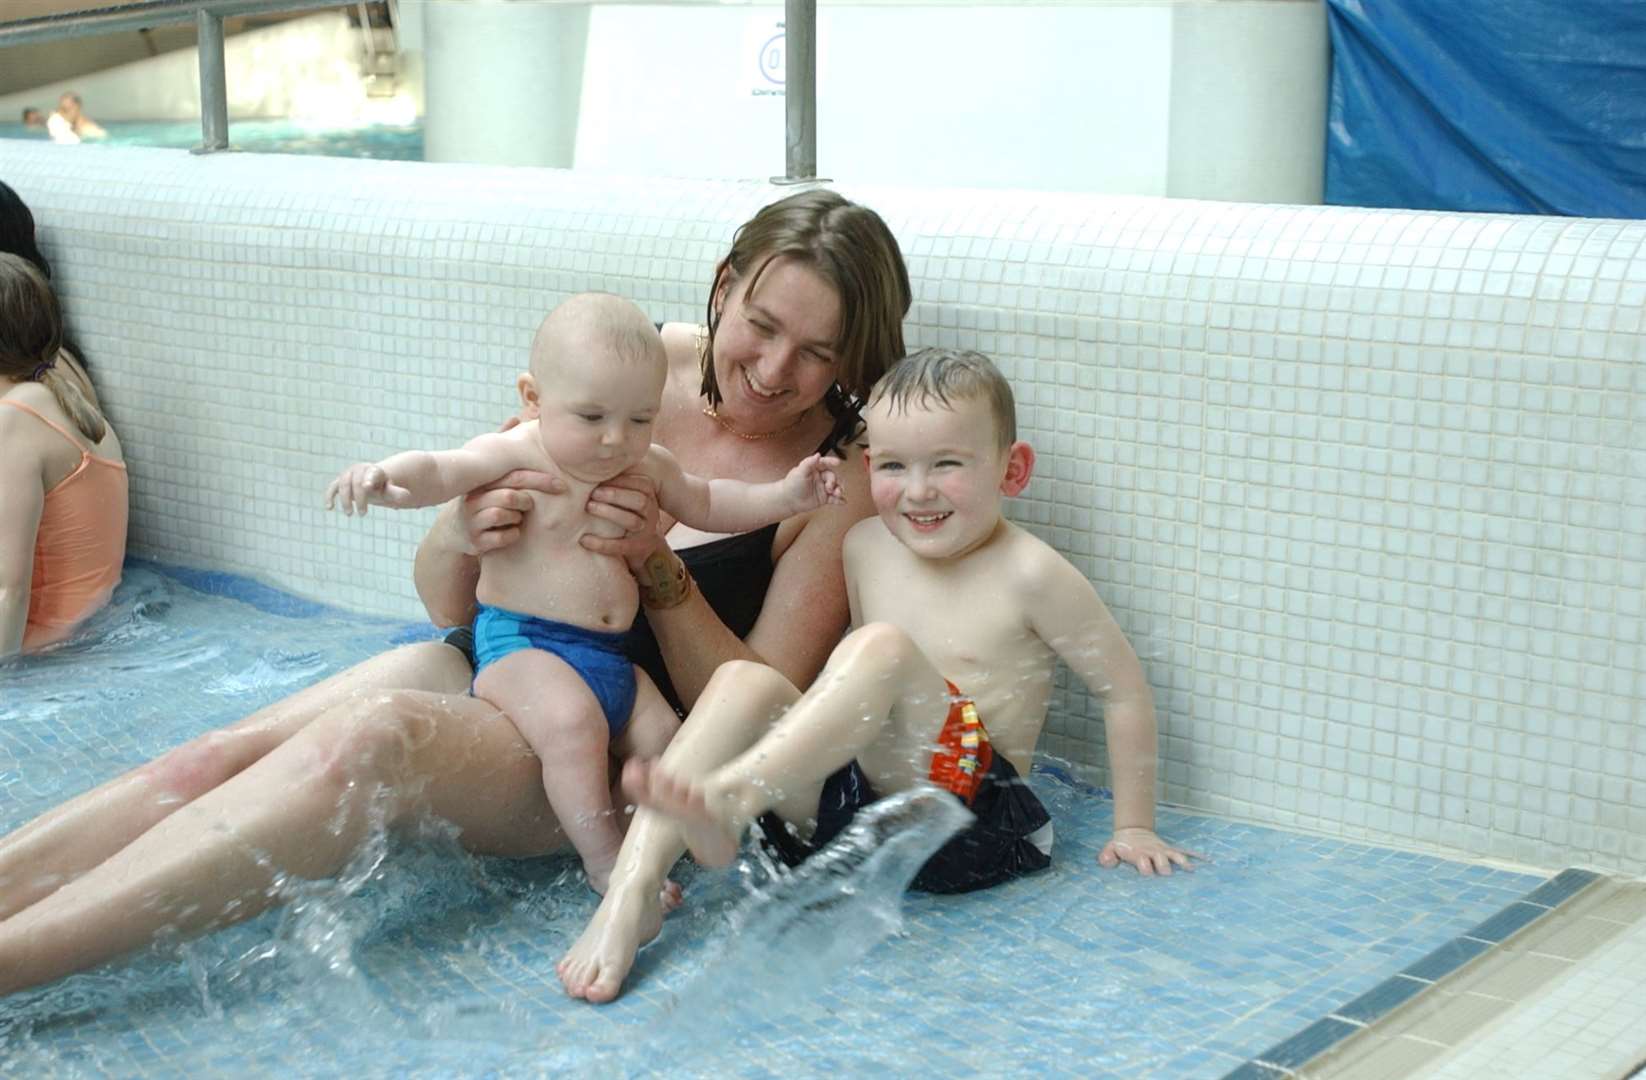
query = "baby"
x=553 y=658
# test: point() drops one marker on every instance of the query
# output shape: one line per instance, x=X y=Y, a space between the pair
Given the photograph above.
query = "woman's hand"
x=628 y=501
x=489 y=519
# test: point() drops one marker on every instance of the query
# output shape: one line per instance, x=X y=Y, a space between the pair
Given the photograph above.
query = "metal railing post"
x=214 y=90
x=800 y=89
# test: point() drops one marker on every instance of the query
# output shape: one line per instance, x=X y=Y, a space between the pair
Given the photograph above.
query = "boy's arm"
x=422 y=477
x=732 y=506
x=1068 y=615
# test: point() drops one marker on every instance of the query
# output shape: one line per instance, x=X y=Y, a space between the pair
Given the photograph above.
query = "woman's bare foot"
x=712 y=842
x=594 y=968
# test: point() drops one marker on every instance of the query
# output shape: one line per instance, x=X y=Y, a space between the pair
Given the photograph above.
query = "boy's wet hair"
x=947 y=376
x=31 y=341
x=846 y=245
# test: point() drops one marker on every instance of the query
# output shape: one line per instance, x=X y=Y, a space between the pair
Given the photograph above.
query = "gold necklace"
x=714 y=414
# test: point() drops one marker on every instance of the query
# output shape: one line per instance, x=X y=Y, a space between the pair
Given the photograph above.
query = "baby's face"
x=596 y=412
x=936 y=475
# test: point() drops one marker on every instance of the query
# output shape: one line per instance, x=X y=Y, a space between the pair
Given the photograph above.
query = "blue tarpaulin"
x=1524 y=106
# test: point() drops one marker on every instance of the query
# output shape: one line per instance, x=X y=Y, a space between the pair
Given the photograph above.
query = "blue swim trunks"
x=595 y=655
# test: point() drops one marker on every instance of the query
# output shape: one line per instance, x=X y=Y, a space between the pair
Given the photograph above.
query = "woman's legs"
x=301 y=810
x=740 y=703
x=65 y=842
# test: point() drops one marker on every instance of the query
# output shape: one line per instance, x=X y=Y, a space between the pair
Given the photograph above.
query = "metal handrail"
x=800 y=45
x=139 y=15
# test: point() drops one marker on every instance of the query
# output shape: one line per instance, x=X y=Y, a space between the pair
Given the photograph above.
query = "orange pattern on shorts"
x=963 y=752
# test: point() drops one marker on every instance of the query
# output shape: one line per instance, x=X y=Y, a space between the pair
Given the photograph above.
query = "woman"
x=63 y=486
x=803 y=315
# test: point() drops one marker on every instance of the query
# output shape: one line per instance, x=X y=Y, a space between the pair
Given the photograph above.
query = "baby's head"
x=595 y=385
x=943 y=450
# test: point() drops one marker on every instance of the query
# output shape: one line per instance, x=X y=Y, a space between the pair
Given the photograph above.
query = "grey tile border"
x=1380 y=1000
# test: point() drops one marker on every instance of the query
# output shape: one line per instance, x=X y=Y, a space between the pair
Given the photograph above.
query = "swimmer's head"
x=33 y=117
x=595 y=384
x=69 y=106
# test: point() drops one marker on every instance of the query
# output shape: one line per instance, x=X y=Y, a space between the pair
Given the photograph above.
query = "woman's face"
x=774 y=355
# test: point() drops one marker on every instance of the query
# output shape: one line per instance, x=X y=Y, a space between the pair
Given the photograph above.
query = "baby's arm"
x=425 y=478
x=730 y=506
x=1067 y=614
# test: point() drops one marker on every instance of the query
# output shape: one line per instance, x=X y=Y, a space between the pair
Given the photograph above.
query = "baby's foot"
x=671 y=896
x=599 y=871
x=711 y=841
x=594 y=968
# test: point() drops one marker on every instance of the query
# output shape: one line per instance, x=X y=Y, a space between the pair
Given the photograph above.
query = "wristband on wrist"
x=663 y=581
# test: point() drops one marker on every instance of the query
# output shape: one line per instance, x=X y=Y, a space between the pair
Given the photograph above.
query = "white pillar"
x=504 y=80
x=1248 y=101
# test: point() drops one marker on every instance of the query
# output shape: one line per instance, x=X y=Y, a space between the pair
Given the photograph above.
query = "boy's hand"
x=359 y=486
x=1144 y=850
x=814 y=483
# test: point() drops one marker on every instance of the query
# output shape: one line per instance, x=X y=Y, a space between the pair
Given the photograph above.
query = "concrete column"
x=504 y=80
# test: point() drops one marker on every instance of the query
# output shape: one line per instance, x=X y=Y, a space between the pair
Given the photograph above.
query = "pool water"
x=386 y=141
x=421 y=960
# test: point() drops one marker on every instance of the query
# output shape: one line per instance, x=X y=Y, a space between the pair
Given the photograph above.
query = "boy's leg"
x=739 y=705
x=879 y=701
x=559 y=716
x=68 y=840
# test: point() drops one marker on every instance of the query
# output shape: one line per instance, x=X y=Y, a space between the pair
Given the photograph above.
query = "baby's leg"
x=652 y=722
x=559 y=716
x=652 y=726
x=70 y=839
x=879 y=701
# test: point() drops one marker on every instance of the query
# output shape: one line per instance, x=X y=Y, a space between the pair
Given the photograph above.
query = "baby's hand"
x=1144 y=850
x=359 y=486
x=814 y=483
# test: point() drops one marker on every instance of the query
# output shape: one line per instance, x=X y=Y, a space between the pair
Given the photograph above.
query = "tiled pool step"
x=1547 y=987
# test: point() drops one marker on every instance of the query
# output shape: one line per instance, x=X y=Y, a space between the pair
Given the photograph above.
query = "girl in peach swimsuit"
x=63 y=499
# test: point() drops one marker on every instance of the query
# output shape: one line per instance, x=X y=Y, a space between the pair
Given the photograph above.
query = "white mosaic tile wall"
x=1366 y=488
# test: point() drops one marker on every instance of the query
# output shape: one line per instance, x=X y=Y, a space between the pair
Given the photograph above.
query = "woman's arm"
x=804 y=614
x=22 y=497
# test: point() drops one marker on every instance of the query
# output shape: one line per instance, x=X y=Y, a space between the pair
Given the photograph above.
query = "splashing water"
x=803 y=927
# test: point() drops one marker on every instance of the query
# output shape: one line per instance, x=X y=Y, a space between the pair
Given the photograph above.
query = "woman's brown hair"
x=848 y=246
x=31 y=339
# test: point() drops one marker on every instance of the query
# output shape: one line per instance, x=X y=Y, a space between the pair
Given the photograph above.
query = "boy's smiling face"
x=937 y=474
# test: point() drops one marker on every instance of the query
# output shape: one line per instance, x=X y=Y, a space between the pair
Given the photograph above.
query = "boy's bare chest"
x=970 y=625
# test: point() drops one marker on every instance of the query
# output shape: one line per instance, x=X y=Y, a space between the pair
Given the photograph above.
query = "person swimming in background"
x=958 y=620
x=69 y=124
x=63 y=484
x=33 y=118
x=553 y=659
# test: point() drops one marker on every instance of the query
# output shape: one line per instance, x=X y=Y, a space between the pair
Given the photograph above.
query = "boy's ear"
x=1019 y=467
x=529 y=403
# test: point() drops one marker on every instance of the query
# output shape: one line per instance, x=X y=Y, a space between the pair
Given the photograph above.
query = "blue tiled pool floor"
x=443 y=965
